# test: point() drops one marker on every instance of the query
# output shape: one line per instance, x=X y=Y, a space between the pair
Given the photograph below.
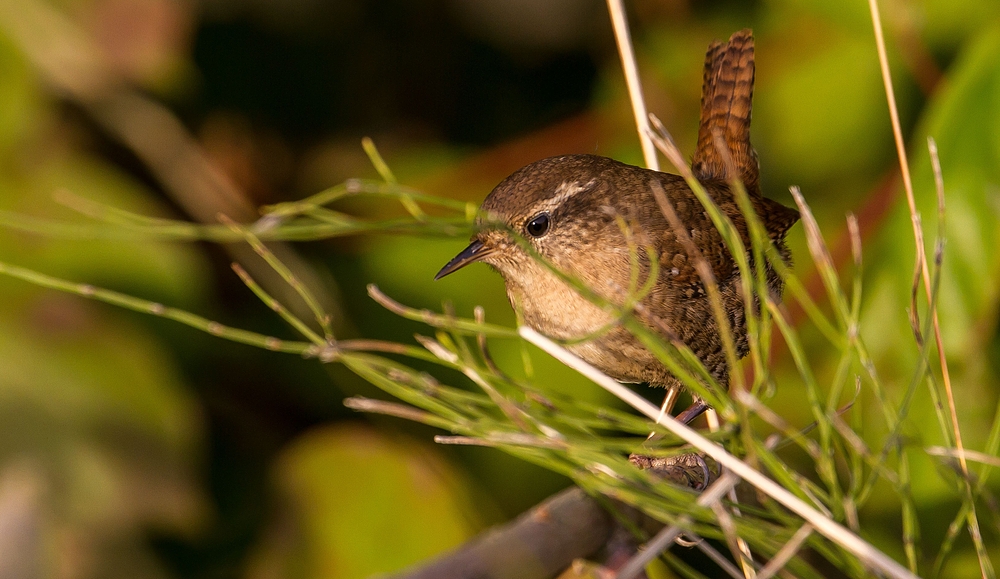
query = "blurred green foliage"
x=400 y=504
x=100 y=436
x=152 y=453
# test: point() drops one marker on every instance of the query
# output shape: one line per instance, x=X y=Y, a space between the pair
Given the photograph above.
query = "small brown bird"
x=570 y=209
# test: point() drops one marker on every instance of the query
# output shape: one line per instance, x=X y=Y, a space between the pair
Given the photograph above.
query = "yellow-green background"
x=132 y=447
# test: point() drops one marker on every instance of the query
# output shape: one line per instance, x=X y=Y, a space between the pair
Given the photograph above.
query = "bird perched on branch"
x=593 y=218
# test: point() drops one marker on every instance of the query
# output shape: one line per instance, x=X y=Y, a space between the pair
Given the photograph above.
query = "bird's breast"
x=553 y=307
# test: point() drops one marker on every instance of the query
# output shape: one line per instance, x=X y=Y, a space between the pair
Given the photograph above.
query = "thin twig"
x=276 y=306
x=973 y=455
x=939 y=189
x=728 y=528
x=624 y=39
x=480 y=316
x=362 y=404
x=921 y=256
x=438 y=320
x=785 y=554
x=383 y=170
x=717 y=557
x=157 y=309
x=502 y=439
x=322 y=318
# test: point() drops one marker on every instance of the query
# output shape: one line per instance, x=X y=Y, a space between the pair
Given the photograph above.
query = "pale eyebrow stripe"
x=566 y=190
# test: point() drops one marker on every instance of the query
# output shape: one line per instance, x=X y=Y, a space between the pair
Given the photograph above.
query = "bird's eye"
x=538 y=225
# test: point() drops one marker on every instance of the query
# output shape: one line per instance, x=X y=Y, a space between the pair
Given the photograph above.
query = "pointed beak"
x=475 y=252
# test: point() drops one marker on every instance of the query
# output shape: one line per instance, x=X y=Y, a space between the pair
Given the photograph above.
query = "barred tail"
x=726 y=101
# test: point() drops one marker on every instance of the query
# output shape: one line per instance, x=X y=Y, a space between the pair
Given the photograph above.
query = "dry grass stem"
x=624 y=39
x=919 y=238
x=783 y=556
x=371 y=405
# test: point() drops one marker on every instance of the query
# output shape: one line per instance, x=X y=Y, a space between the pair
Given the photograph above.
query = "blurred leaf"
x=358 y=503
x=850 y=15
x=947 y=24
x=820 y=108
x=22 y=107
x=99 y=412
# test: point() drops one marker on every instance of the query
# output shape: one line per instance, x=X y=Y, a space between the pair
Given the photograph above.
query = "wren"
x=570 y=210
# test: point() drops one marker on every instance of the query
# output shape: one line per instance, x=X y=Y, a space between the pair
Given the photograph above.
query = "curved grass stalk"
x=156 y=309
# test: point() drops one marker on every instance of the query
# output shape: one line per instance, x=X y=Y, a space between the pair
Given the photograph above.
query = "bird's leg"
x=670 y=399
x=692 y=412
x=663 y=465
x=668 y=404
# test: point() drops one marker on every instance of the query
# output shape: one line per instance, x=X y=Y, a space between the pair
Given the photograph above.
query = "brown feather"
x=726 y=106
